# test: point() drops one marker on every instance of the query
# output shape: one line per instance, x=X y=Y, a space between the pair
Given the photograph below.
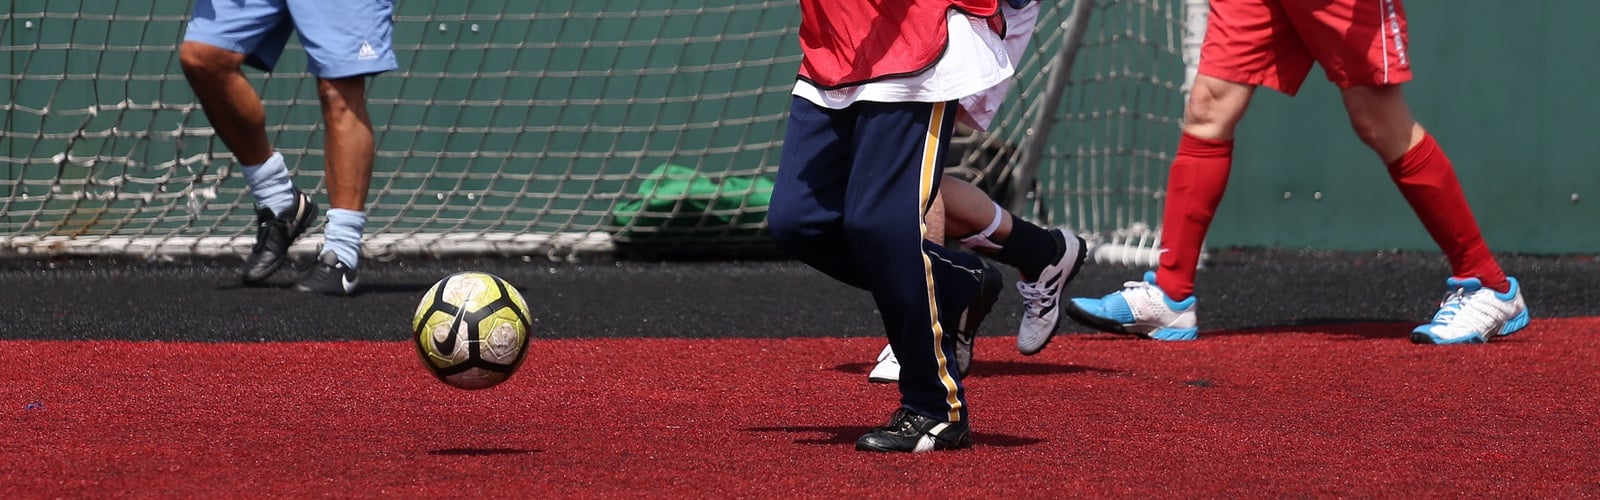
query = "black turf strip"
x=79 y=299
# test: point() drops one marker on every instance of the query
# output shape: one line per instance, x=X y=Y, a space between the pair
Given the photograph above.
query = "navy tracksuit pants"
x=851 y=191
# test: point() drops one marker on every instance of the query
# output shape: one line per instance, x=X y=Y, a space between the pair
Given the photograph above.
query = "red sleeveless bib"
x=851 y=42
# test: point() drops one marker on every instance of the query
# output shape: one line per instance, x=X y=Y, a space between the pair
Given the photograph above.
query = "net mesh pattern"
x=522 y=127
x=517 y=124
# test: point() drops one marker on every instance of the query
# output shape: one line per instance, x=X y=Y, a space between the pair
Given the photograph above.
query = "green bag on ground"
x=674 y=197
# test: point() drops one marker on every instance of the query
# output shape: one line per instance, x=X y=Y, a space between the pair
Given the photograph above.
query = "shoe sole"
x=1105 y=325
x=1083 y=253
x=345 y=288
x=1164 y=334
x=877 y=449
x=1423 y=338
x=294 y=234
x=964 y=443
x=1514 y=325
x=350 y=292
x=1173 y=334
x=972 y=318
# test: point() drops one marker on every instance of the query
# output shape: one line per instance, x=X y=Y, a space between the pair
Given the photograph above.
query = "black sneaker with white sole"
x=908 y=432
x=274 y=235
x=972 y=317
x=329 y=277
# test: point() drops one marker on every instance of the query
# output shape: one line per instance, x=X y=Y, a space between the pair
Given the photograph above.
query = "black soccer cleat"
x=909 y=432
x=329 y=277
x=989 y=286
x=274 y=234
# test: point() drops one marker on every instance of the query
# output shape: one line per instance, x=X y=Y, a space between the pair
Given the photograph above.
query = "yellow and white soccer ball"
x=472 y=330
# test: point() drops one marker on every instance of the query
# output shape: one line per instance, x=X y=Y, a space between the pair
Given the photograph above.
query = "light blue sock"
x=342 y=236
x=270 y=184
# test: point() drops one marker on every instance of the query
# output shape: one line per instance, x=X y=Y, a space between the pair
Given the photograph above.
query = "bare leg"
x=968 y=209
x=349 y=141
x=230 y=103
x=1382 y=120
x=1215 y=108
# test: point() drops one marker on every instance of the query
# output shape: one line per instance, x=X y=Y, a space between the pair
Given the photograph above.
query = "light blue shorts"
x=343 y=38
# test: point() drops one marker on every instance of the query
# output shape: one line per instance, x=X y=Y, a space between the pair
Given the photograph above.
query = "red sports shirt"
x=851 y=42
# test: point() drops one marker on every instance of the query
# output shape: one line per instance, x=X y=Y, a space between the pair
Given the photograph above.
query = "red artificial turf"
x=1340 y=410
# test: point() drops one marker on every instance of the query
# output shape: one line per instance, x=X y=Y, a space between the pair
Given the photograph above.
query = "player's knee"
x=1379 y=117
x=1387 y=137
x=207 y=61
x=1215 y=108
x=342 y=92
x=877 y=229
x=1371 y=131
x=787 y=226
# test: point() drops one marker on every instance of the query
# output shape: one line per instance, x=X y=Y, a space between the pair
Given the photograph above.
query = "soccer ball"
x=472 y=330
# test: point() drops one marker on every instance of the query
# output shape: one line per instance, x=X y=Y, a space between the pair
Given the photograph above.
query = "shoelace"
x=1450 y=305
x=1145 y=293
x=1034 y=297
x=903 y=424
x=1135 y=285
x=1458 y=310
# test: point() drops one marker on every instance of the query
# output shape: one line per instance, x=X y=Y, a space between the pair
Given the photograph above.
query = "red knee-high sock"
x=1429 y=184
x=1195 y=184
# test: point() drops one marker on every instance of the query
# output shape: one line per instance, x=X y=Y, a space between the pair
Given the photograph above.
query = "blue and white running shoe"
x=1472 y=314
x=1140 y=309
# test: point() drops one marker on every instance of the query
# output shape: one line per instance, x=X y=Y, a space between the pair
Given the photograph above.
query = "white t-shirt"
x=976 y=70
x=978 y=110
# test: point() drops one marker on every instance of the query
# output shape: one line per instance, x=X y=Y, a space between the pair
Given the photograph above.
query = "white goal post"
x=1103 y=131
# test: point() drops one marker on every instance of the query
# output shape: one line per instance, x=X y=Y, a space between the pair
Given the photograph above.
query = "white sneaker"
x=1040 y=316
x=887 y=371
x=1142 y=309
x=1471 y=314
x=989 y=284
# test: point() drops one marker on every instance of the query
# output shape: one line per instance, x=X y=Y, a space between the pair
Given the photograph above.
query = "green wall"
x=1508 y=90
x=505 y=116
x=1505 y=86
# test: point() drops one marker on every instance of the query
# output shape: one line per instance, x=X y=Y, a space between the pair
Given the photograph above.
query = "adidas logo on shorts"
x=366 y=53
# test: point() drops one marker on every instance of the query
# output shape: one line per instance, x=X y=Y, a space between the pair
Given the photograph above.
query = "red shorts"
x=1273 y=42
